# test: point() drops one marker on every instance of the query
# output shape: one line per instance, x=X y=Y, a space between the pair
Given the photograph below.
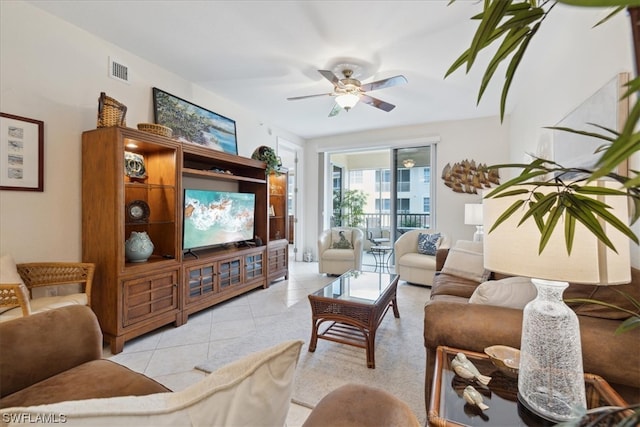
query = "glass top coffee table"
x=354 y=305
x=448 y=408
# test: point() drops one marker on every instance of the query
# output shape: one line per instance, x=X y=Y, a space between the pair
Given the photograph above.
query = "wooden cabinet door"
x=229 y=273
x=146 y=297
x=278 y=259
x=254 y=267
x=200 y=281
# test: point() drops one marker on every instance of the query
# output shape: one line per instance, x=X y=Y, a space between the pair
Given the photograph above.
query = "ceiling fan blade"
x=335 y=110
x=381 y=84
x=331 y=77
x=294 y=98
x=374 y=102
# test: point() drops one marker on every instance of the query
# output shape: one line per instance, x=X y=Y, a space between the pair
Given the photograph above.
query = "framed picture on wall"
x=193 y=124
x=21 y=153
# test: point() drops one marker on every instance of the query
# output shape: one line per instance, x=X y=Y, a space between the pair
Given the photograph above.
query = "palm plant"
x=513 y=24
x=352 y=208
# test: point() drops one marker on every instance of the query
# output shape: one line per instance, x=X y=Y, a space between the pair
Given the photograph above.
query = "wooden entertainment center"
x=133 y=298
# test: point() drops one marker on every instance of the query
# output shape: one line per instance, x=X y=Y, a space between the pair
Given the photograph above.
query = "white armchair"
x=413 y=266
x=334 y=260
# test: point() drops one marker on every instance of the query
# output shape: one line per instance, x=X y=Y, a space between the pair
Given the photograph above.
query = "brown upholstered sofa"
x=43 y=353
x=449 y=319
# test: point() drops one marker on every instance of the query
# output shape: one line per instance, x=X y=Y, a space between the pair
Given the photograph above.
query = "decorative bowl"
x=506 y=359
x=157 y=129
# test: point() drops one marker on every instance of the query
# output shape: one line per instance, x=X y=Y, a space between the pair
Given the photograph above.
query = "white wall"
x=559 y=73
x=483 y=140
x=53 y=71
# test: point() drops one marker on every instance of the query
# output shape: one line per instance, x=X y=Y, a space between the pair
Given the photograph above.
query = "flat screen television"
x=217 y=217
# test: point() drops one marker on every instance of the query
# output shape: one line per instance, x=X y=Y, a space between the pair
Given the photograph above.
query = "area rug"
x=399 y=353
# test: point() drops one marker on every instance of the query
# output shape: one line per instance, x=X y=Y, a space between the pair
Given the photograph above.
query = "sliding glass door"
x=396 y=186
x=412 y=201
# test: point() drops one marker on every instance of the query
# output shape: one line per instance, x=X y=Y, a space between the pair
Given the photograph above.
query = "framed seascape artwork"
x=21 y=153
x=193 y=124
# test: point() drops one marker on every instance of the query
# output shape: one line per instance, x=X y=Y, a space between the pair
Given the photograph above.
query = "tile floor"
x=169 y=354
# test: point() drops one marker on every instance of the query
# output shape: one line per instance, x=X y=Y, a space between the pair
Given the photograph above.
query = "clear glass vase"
x=551 y=377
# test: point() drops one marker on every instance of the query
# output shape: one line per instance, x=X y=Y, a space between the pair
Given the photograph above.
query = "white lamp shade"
x=347 y=101
x=513 y=250
x=473 y=214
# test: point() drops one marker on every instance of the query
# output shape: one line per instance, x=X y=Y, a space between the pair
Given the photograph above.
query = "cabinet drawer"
x=147 y=297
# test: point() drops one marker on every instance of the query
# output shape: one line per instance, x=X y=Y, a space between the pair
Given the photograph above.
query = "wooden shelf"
x=220 y=175
x=131 y=299
x=278 y=226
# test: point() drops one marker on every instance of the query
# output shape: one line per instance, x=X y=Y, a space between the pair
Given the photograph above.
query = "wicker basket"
x=110 y=112
x=157 y=129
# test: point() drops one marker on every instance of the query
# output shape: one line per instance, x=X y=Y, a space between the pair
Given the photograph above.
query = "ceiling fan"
x=348 y=91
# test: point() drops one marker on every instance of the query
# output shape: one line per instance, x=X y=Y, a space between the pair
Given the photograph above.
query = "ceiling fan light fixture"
x=408 y=163
x=347 y=101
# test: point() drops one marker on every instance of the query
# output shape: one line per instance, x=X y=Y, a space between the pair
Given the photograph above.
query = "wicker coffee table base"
x=352 y=323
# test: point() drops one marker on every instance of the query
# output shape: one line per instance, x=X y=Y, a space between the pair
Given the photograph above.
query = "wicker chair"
x=16 y=299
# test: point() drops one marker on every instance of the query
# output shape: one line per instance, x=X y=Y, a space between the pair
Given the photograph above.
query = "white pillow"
x=253 y=391
x=511 y=292
x=337 y=235
x=9 y=271
x=466 y=264
x=468 y=245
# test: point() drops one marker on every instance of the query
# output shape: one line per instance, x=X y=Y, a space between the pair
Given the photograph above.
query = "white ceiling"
x=258 y=53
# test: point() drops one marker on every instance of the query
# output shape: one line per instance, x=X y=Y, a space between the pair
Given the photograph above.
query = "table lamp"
x=551 y=377
x=473 y=216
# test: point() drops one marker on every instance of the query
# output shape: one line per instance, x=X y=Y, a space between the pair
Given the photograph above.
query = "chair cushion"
x=338 y=255
x=94 y=379
x=9 y=275
x=39 y=305
x=428 y=243
x=253 y=391
x=416 y=260
x=9 y=271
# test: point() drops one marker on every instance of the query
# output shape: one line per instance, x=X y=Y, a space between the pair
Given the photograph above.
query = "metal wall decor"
x=469 y=177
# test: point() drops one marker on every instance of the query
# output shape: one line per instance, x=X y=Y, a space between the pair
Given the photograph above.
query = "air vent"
x=118 y=71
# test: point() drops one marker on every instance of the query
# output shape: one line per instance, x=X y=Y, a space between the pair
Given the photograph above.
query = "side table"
x=448 y=408
x=382 y=255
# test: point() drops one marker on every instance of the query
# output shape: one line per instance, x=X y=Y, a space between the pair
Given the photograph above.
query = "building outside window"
x=404 y=180
x=426 y=204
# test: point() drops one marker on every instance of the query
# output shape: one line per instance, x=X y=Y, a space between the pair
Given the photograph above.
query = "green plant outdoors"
x=351 y=208
x=512 y=24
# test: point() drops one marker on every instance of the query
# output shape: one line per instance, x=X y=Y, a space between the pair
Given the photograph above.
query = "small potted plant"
x=268 y=155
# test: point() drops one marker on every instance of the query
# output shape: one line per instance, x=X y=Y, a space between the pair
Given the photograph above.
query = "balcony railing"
x=404 y=221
